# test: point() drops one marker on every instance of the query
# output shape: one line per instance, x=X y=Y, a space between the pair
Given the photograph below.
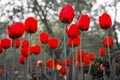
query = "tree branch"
x=38 y=8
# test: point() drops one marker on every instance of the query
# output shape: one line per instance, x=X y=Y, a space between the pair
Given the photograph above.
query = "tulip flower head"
x=58 y=63
x=40 y=62
x=2 y=72
x=102 y=51
x=91 y=56
x=16 y=42
x=83 y=22
x=44 y=37
x=74 y=41
x=24 y=51
x=78 y=63
x=36 y=49
x=63 y=71
x=16 y=30
x=105 y=21
x=31 y=50
x=67 y=14
x=25 y=43
x=5 y=42
x=81 y=52
x=70 y=42
x=108 y=41
x=15 y=68
x=67 y=62
x=86 y=59
x=22 y=59
x=50 y=63
x=53 y=43
x=73 y=31
x=31 y=25
x=34 y=78
x=1 y=49
x=74 y=59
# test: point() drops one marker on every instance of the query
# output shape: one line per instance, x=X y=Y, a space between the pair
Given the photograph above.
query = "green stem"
x=72 y=61
x=5 y=68
x=82 y=74
x=44 y=58
x=76 y=56
x=13 y=60
x=53 y=60
x=109 y=58
x=24 y=71
x=70 y=77
x=65 y=45
x=28 y=60
x=89 y=71
x=65 y=50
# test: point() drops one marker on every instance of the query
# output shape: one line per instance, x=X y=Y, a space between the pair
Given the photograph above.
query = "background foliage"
x=46 y=11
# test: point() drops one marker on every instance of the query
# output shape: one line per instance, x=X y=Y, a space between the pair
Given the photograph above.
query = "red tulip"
x=16 y=30
x=40 y=63
x=58 y=62
x=102 y=67
x=74 y=59
x=36 y=49
x=44 y=37
x=78 y=64
x=63 y=71
x=73 y=31
x=31 y=50
x=105 y=21
x=67 y=62
x=108 y=41
x=5 y=42
x=15 y=68
x=22 y=60
x=25 y=43
x=49 y=63
x=31 y=25
x=102 y=51
x=91 y=56
x=24 y=51
x=67 y=14
x=81 y=52
x=16 y=43
x=70 y=42
x=1 y=49
x=83 y=22
x=53 y=43
x=86 y=59
x=34 y=78
x=2 y=71
x=74 y=41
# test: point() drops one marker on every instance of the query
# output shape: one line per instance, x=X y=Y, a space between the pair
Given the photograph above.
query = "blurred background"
x=47 y=11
